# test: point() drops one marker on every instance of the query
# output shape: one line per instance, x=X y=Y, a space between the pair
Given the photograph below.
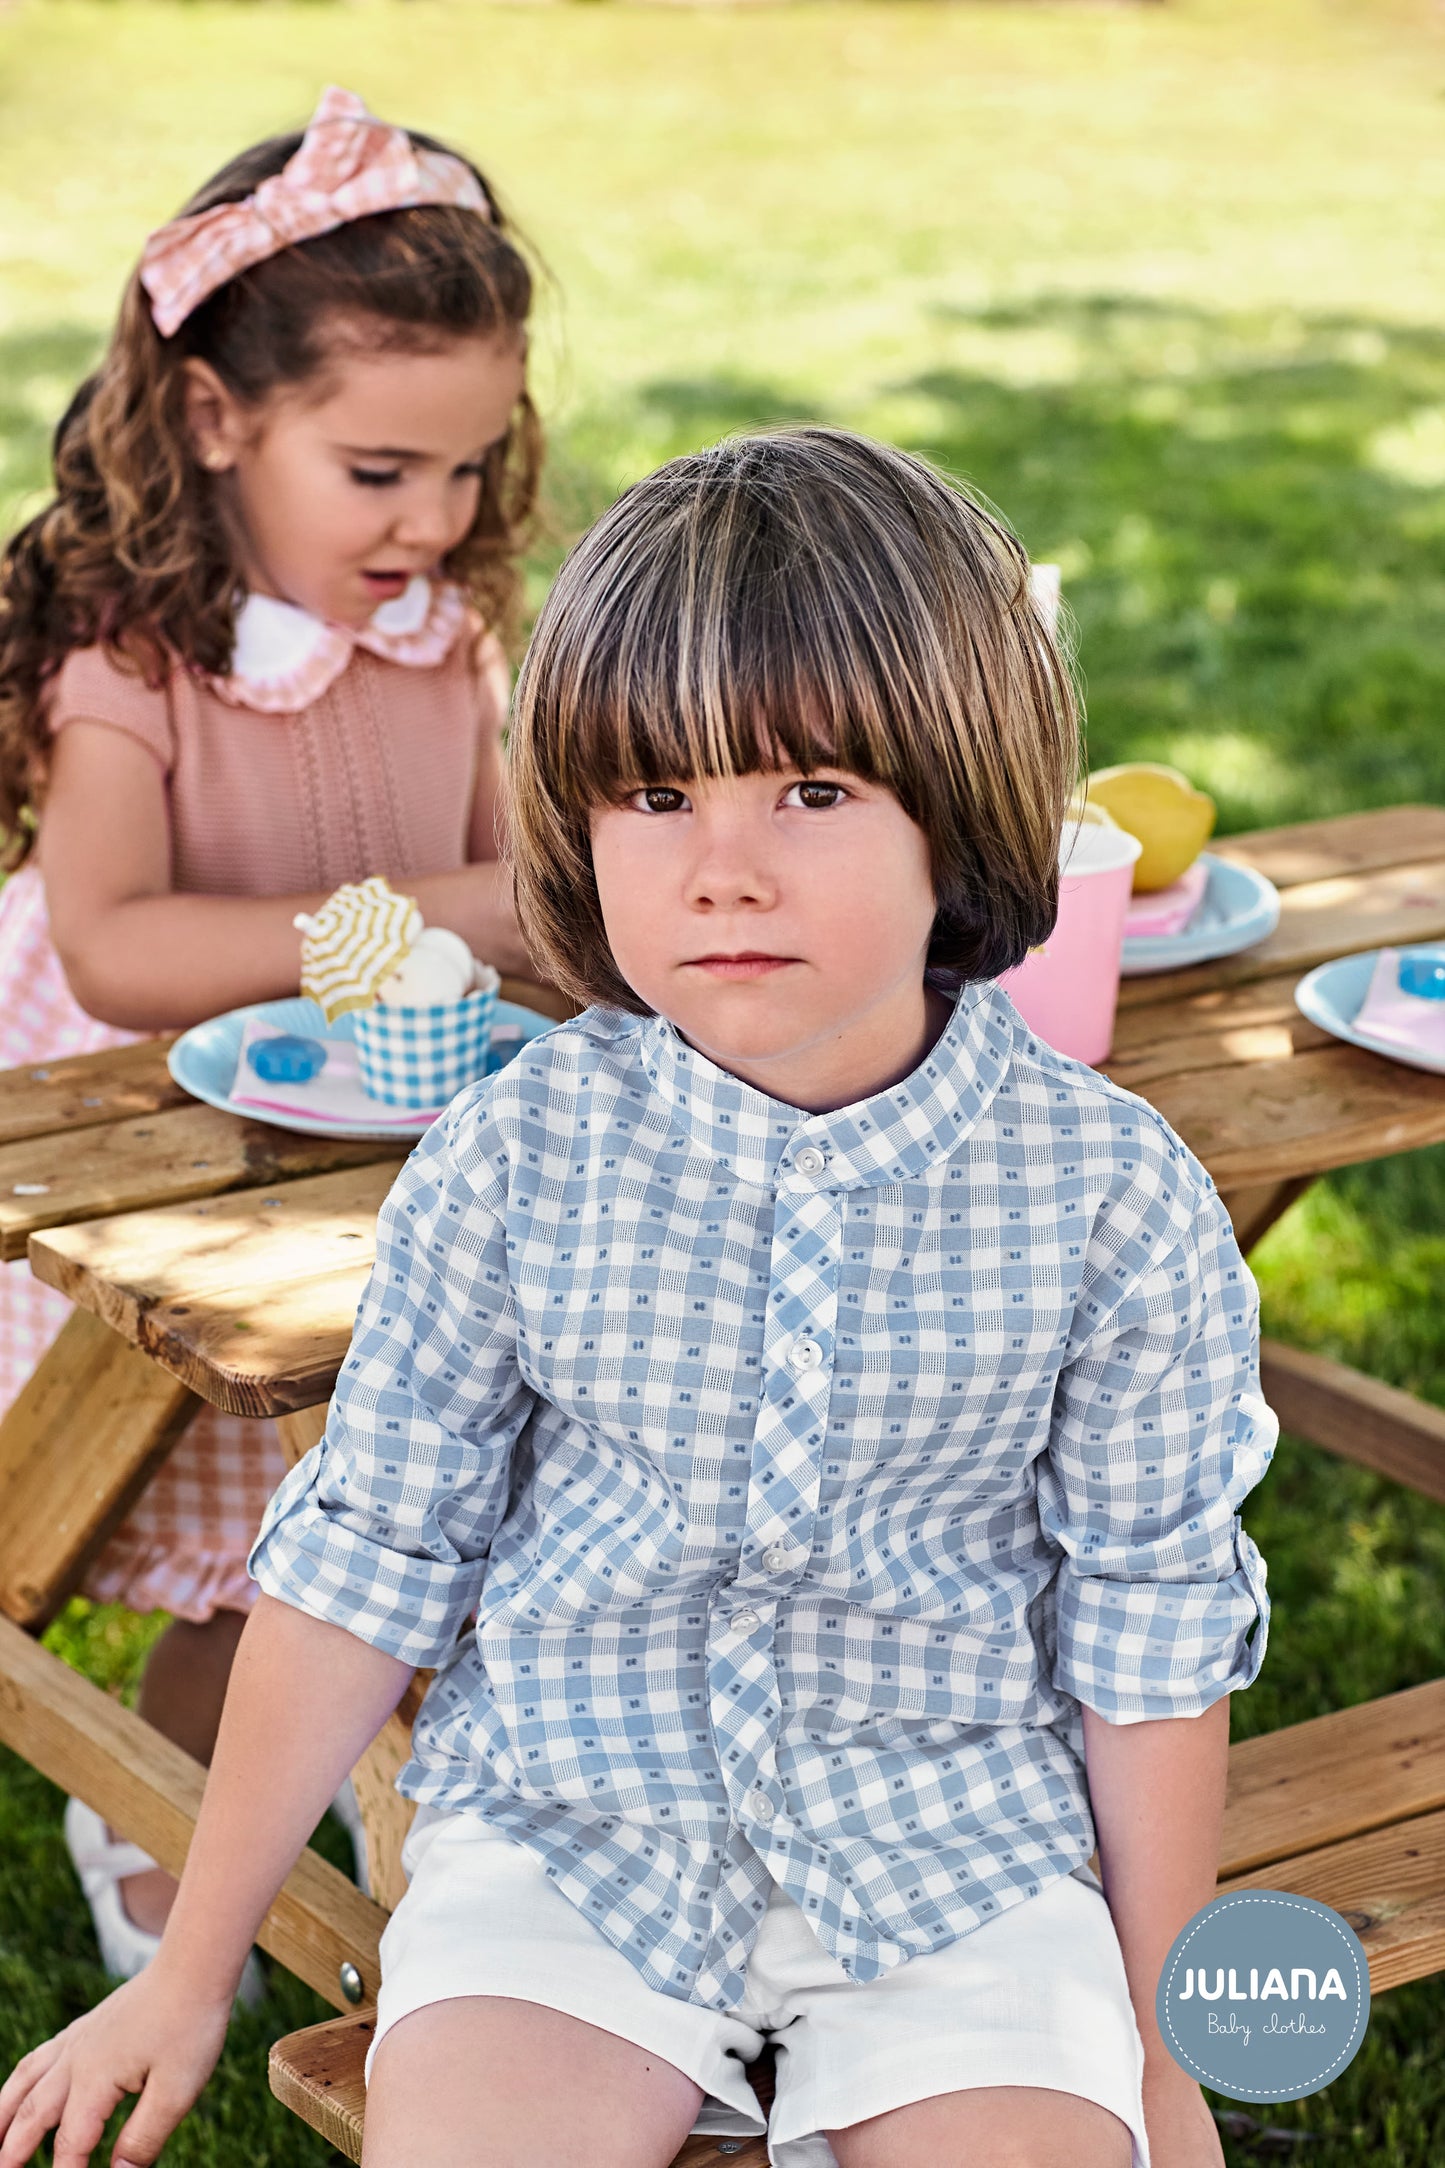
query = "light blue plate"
x=1331 y=996
x=1237 y=909
x=203 y=1061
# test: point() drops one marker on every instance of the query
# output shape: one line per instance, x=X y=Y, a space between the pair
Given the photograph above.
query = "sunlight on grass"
x=1413 y=450
x=1228 y=763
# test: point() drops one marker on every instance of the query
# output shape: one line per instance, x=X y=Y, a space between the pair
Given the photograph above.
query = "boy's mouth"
x=750 y=964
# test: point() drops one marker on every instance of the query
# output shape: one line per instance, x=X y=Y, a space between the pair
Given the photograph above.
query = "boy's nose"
x=729 y=870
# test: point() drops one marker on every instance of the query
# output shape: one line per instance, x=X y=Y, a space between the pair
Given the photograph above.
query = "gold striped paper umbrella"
x=355 y=940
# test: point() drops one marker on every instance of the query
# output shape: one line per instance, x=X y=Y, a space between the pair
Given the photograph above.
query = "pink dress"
x=324 y=757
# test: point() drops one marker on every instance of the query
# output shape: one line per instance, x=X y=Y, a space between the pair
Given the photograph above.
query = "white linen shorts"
x=1035 y=1997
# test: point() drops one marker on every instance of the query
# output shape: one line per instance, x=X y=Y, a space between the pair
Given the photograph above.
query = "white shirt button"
x=743 y=1622
x=777 y=1559
x=805 y=1354
x=809 y=1160
x=759 y=1806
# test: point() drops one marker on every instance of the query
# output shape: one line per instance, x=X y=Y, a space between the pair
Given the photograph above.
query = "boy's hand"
x=152 y=2037
x=1182 y=2133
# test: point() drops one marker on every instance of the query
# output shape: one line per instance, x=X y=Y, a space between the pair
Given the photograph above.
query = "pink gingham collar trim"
x=349 y=165
x=284 y=658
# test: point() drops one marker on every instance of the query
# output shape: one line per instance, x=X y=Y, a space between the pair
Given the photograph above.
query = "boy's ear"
x=215 y=421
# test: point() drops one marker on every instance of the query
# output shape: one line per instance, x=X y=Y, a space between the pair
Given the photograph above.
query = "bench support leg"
x=78 y=1445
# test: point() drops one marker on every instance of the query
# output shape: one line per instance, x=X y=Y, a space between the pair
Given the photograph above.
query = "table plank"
x=1318 y=920
x=1218 y=1028
x=1343 y=843
x=188 y=1151
x=248 y=1298
x=1273 y=1121
x=273 y=1354
x=83 y=1091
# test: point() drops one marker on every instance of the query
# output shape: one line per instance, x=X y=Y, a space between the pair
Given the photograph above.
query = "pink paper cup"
x=1067 y=990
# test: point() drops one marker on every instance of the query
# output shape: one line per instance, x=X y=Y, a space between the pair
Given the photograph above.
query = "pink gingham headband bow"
x=350 y=165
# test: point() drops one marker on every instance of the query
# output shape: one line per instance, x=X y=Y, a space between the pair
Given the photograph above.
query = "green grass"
x=1164 y=283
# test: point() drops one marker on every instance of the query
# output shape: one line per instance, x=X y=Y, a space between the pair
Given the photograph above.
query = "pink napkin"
x=335 y=1094
x=1399 y=1020
x=1167 y=910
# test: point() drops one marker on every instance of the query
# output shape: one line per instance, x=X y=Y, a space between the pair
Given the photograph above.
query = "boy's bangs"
x=756 y=684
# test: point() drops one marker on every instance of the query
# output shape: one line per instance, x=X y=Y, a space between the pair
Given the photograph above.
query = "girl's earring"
x=213 y=461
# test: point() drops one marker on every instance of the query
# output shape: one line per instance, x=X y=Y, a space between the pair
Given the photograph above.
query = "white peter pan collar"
x=284 y=658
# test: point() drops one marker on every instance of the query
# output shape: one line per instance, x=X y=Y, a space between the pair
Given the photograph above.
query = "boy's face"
x=781 y=922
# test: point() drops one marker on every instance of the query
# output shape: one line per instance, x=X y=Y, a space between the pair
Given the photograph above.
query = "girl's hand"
x=153 y=2037
x=1182 y=2132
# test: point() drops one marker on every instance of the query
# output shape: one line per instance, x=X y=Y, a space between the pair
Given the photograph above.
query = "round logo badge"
x=1265 y=1996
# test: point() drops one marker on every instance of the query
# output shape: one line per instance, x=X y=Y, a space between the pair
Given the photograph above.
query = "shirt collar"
x=891 y=1137
x=283 y=658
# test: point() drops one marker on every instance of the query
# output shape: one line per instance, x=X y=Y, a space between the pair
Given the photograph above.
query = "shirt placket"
x=799 y=1349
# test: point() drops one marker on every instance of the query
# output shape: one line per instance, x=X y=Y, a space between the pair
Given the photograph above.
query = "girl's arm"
x=140 y=956
x=305 y=1699
x=1157 y=1791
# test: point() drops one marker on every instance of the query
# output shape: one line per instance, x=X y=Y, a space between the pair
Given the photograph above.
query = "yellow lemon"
x=1162 y=808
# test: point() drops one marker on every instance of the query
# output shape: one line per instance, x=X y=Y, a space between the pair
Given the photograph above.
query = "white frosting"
x=438 y=967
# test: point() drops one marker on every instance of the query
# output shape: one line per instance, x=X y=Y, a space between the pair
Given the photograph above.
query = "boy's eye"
x=375 y=477
x=816 y=795
x=658 y=798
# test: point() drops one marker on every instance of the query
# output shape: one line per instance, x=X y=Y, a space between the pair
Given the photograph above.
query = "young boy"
x=803 y=1417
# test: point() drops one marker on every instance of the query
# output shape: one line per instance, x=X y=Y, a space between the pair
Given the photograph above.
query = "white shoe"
x=348 y=1813
x=103 y=1864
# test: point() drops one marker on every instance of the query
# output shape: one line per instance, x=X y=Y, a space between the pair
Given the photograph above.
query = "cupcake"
x=421 y=1005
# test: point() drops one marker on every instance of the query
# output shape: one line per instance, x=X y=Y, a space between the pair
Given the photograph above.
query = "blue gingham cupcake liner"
x=421 y=1058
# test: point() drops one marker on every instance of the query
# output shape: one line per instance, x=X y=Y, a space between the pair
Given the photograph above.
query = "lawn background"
x=1164 y=283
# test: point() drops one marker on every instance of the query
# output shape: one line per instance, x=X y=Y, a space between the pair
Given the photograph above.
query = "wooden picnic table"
x=218 y=1259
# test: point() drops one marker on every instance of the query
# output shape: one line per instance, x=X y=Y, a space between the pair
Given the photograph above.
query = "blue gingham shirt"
x=804 y=1474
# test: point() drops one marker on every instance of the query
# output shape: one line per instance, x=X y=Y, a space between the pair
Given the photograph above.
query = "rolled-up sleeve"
x=1159 y=1433
x=385 y=1526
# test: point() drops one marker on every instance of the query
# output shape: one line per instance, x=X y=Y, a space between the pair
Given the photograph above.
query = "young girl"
x=245 y=655
x=833 y=1405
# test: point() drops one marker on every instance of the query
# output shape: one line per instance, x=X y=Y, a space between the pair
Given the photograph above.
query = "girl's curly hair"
x=132 y=550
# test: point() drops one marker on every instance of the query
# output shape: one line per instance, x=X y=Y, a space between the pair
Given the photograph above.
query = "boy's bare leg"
x=486 y=2082
x=1008 y=2126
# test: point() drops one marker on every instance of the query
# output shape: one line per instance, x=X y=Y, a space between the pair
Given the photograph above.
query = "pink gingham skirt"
x=183 y=1547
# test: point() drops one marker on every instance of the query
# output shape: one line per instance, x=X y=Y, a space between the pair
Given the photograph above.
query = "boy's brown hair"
x=809 y=598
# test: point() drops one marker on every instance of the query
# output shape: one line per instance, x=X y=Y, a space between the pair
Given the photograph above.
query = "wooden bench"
x=1348 y=1808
